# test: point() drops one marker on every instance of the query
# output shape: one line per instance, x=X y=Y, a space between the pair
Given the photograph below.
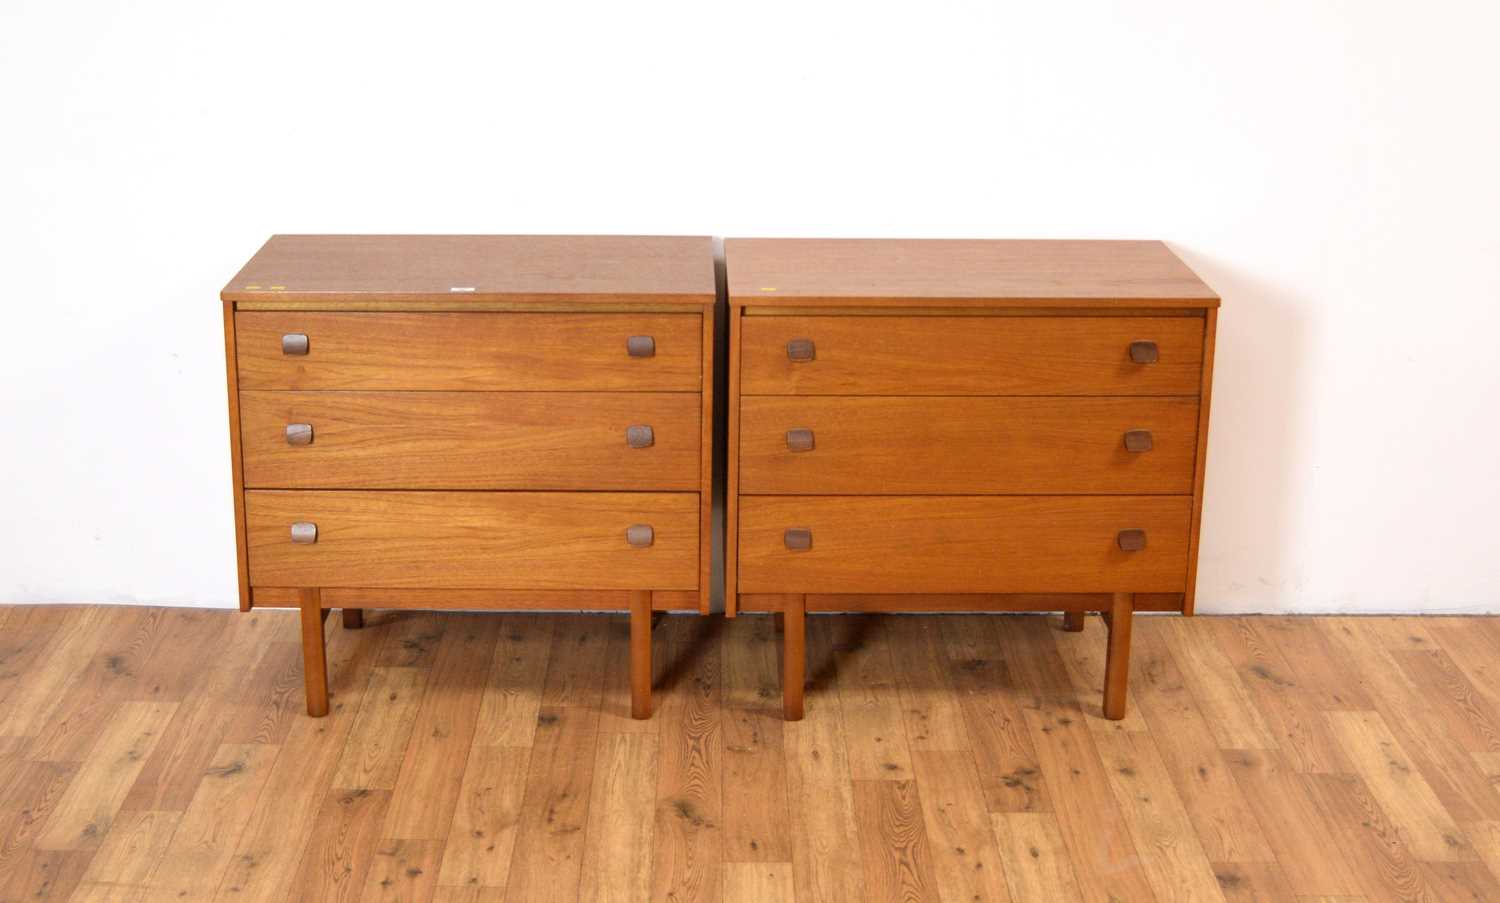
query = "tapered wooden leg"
x=354 y=618
x=793 y=656
x=1117 y=658
x=778 y=620
x=1073 y=621
x=314 y=656
x=640 y=654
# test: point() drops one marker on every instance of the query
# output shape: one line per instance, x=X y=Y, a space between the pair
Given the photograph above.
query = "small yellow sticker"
x=252 y=288
x=278 y=288
x=768 y=288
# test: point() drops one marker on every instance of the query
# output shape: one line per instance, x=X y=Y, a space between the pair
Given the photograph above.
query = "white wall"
x=1329 y=167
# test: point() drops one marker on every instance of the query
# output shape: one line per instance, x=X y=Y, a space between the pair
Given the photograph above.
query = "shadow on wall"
x=1255 y=441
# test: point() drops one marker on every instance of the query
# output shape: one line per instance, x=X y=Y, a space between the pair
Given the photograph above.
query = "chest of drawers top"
x=1040 y=274
x=475 y=270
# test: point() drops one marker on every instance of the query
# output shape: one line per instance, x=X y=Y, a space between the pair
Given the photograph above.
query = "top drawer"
x=469 y=351
x=977 y=355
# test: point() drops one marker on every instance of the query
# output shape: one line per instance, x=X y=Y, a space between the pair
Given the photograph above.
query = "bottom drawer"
x=496 y=540
x=963 y=544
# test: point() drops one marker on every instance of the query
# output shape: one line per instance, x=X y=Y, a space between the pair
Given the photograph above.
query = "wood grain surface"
x=485 y=599
x=963 y=603
x=472 y=440
x=1200 y=465
x=236 y=460
x=970 y=356
x=553 y=352
x=908 y=272
x=500 y=540
x=526 y=779
x=351 y=269
x=950 y=446
x=959 y=544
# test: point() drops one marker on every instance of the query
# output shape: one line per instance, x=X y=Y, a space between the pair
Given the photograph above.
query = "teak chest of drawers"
x=472 y=422
x=965 y=425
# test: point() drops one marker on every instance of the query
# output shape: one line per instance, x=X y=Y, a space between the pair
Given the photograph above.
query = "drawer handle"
x=304 y=532
x=1137 y=440
x=799 y=440
x=801 y=350
x=798 y=539
x=640 y=535
x=294 y=343
x=640 y=437
x=1131 y=540
x=641 y=346
x=299 y=434
x=1143 y=352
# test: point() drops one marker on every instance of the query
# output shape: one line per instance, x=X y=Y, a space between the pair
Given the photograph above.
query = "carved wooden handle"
x=640 y=436
x=801 y=350
x=294 y=343
x=1143 y=352
x=640 y=535
x=304 y=532
x=798 y=539
x=1137 y=440
x=299 y=434
x=799 y=440
x=641 y=346
x=1131 y=540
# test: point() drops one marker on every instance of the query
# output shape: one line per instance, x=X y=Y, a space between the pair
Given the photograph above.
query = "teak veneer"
x=472 y=422
x=965 y=425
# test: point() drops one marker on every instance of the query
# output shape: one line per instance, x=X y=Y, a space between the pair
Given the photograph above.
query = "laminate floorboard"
x=479 y=757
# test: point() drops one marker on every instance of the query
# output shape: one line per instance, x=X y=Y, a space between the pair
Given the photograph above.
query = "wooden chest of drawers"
x=929 y=425
x=472 y=422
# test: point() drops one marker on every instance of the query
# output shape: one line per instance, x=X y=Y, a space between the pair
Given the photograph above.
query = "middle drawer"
x=471 y=440
x=885 y=445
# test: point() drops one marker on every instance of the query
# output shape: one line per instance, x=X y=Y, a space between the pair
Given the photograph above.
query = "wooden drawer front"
x=471 y=440
x=962 y=544
x=1001 y=355
x=496 y=540
x=888 y=446
x=469 y=351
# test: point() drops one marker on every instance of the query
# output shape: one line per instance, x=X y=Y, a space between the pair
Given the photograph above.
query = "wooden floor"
x=158 y=754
